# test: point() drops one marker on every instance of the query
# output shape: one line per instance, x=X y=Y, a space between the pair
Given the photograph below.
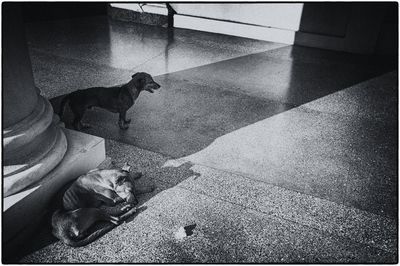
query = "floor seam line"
x=223 y=60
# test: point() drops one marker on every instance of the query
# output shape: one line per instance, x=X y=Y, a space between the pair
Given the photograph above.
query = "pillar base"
x=25 y=209
x=33 y=147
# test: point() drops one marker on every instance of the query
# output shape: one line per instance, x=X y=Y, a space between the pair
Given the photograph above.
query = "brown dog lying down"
x=82 y=199
x=114 y=99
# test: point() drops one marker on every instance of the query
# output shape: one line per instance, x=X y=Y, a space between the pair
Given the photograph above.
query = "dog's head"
x=124 y=185
x=144 y=81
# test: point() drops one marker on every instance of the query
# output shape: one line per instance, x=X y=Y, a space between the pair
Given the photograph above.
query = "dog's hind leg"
x=84 y=218
x=64 y=102
x=78 y=115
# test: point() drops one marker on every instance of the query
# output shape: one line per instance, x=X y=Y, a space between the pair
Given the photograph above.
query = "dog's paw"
x=123 y=127
x=127 y=207
x=115 y=220
x=128 y=214
x=131 y=211
x=85 y=126
x=122 y=124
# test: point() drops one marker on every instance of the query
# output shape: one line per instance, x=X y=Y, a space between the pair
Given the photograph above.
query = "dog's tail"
x=63 y=231
x=69 y=240
x=64 y=101
x=90 y=238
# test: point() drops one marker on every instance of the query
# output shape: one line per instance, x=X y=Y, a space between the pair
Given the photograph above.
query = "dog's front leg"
x=109 y=197
x=122 y=122
x=122 y=116
x=144 y=190
x=118 y=211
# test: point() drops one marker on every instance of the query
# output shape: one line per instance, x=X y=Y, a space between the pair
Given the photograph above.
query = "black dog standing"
x=114 y=99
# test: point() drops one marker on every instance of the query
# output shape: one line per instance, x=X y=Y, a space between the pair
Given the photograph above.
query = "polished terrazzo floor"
x=242 y=133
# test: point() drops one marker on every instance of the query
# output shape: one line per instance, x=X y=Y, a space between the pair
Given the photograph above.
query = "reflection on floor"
x=199 y=104
x=291 y=150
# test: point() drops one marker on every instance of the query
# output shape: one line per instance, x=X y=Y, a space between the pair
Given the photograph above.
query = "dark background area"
x=42 y=11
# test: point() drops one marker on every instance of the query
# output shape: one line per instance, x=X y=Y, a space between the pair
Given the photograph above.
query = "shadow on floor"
x=44 y=237
x=198 y=105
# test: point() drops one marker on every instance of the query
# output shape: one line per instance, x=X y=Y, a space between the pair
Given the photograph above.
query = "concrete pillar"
x=37 y=161
x=33 y=144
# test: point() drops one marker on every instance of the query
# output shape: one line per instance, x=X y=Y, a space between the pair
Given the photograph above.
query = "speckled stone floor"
x=273 y=153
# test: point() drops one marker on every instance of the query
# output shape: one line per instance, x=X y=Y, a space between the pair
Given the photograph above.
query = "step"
x=22 y=211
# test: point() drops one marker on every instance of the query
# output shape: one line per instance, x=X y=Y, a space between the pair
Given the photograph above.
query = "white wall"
x=344 y=26
x=258 y=14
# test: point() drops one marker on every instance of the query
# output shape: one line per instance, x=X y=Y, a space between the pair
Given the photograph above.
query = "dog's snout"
x=157 y=85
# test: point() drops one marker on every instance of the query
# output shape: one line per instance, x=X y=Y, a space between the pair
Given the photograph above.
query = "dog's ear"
x=126 y=167
x=138 y=80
